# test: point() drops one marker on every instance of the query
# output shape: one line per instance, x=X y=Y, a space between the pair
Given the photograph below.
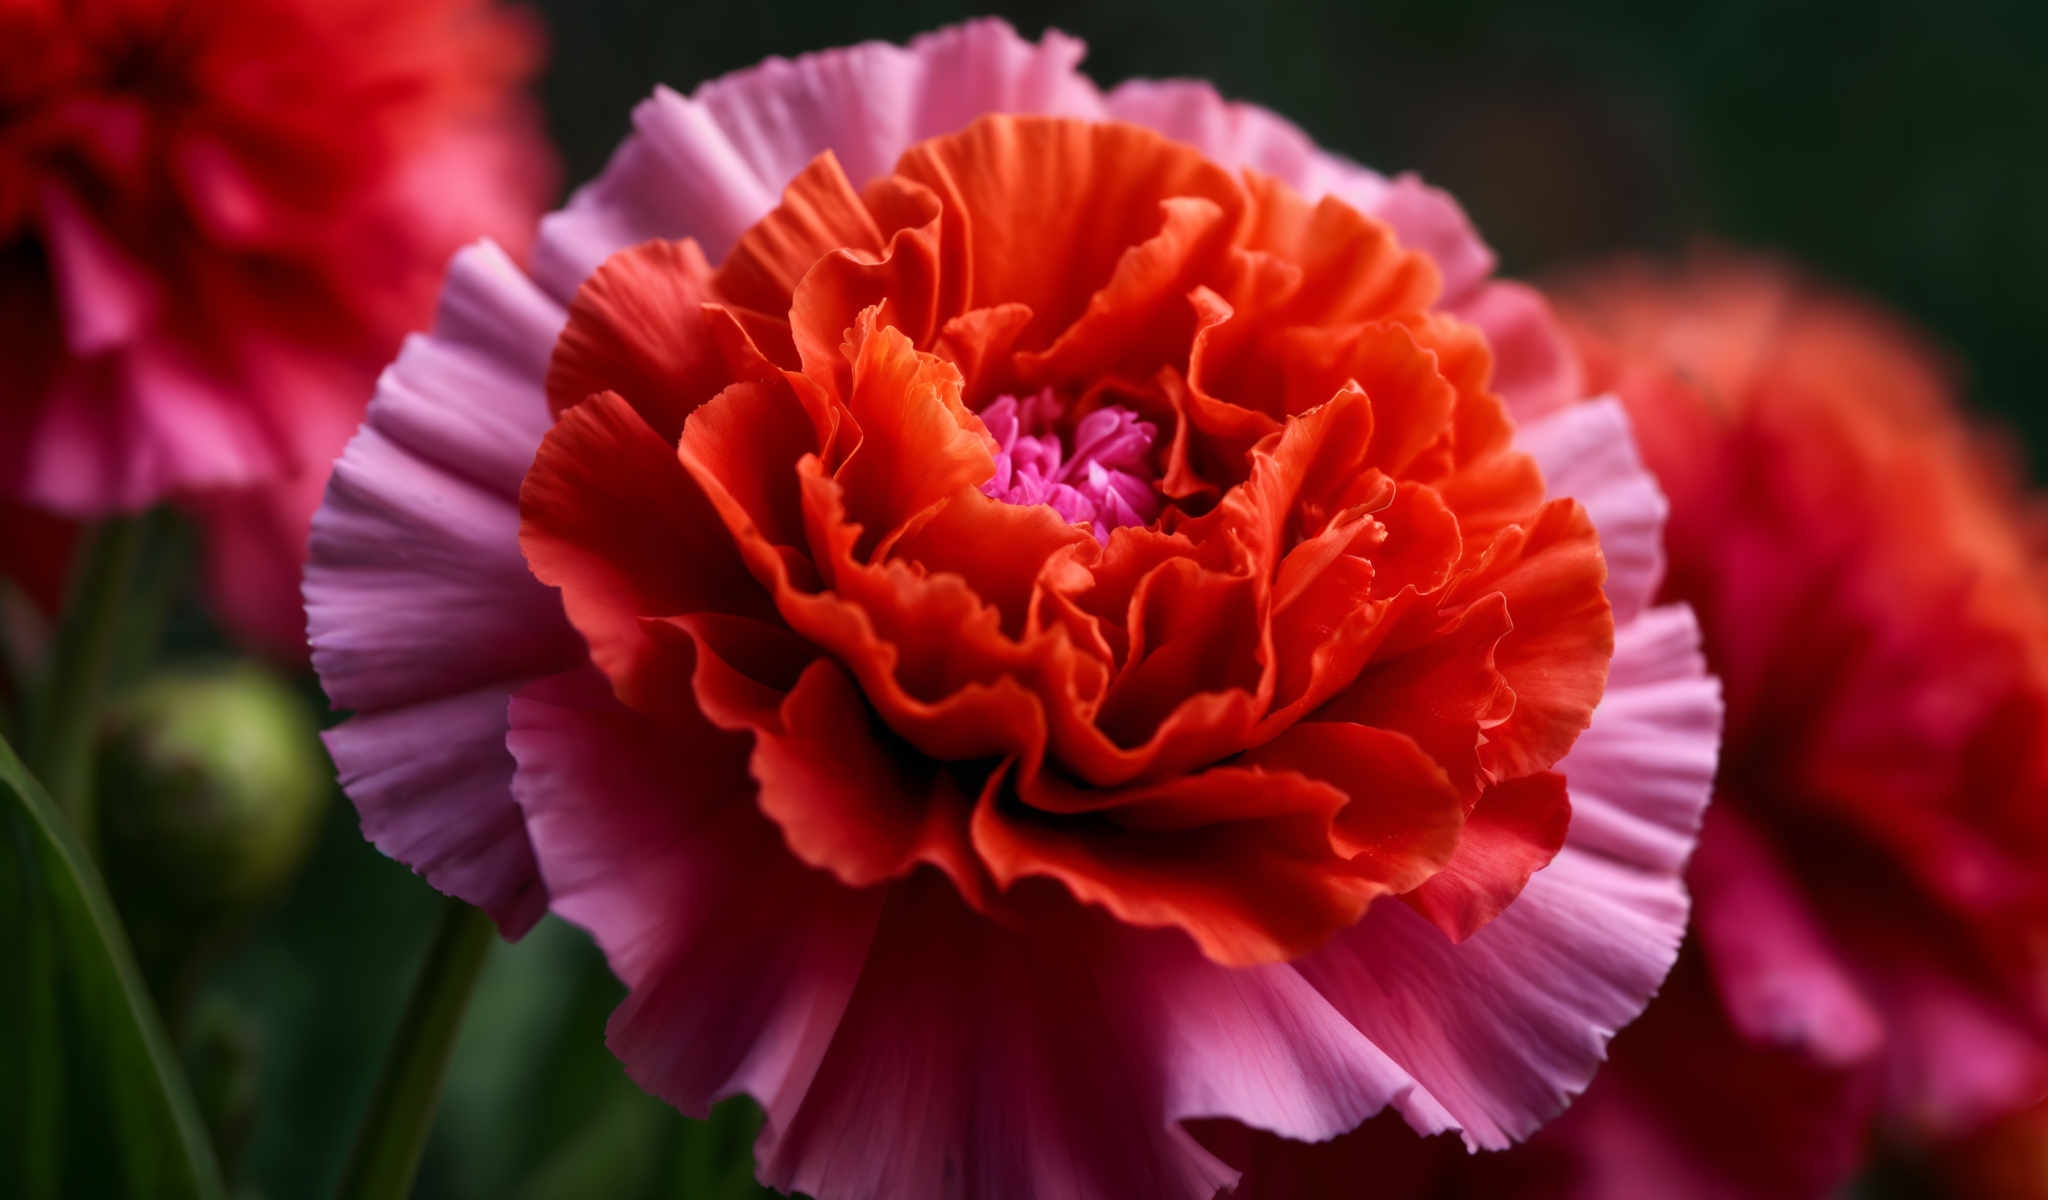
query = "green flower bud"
x=210 y=789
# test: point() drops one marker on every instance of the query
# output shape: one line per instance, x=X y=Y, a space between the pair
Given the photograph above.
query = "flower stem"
x=401 y=1112
x=61 y=742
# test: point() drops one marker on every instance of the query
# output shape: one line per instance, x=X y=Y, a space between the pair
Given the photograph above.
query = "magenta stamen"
x=1105 y=479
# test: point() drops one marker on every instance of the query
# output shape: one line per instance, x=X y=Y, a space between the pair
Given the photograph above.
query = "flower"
x=1868 y=951
x=213 y=786
x=1051 y=645
x=218 y=220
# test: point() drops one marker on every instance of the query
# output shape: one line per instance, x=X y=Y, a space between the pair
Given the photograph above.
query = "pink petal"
x=107 y=299
x=121 y=429
x=1259 y=1046
x=740 y=958
x=1781 y=981
x=900 y=1045
x=417 y=596
x=973 y=1062
x=1957 y=1053
x=1534 y=367
x=1503 y=1029
x=1688 y=1110
x=899 y=1042
x=431 y=782
x=710 y=164
x=1237 y=134
x=1637 y=773
x=470 y=396
x=1586 y=452
x=1429 y=220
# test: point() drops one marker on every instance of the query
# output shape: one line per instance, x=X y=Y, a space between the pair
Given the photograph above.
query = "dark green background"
x=1897 y=149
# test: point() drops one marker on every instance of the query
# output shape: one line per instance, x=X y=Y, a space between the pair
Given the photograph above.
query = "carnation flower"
x=1025 y=623
x=1868 y=949
x=217 y=220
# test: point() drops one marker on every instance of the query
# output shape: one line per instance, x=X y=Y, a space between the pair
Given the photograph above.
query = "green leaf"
x=95 y=1102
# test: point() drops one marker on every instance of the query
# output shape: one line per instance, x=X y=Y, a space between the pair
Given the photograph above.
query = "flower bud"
x=210 y=788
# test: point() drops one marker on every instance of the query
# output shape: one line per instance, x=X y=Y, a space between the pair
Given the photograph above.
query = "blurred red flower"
x=216 y=220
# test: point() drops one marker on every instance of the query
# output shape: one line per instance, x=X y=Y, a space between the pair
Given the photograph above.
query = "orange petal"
x=1401 y=823
x=610 y=517
x=1517 y=828
x=1040 y=210
x=820 y=213
x=1193 y=632
x=1239 y=858
x=742 y=448
x=1434 y=679
x=1001 y=550
x=637 y=327
x=918 y=447
x=1352 y=267
x=979 y=344
x=853 y=800
x=1556 y=657
x=902 y=284
x=1487 y=482
x=1140 y=318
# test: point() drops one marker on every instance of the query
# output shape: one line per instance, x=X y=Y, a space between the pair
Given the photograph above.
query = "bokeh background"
x=1901 y=150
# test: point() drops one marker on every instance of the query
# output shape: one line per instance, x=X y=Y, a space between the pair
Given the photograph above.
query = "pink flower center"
x=1102 y=475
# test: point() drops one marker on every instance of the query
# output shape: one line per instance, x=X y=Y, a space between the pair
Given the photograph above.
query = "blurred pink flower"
x=218 y=219
x=914 y=1020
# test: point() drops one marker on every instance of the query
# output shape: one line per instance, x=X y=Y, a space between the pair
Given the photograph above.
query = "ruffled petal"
x=106 y=298
x=432 y=782
x=655 y=867
x=1245 y=860
x=711 y=164
x=417 y=596
x=1515 y=830
x=1238 y=134
x=1587 y=452
x=1499 y=1031
x=1534 y=367
x=1780 y=981
x=852 y=800
x=121 y=430
x=609 y=516
x=1039 y=213
x=1556 y=657
x=637 y=327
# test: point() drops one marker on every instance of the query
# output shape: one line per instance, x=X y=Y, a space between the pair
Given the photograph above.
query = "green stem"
x=60 y=748
x=401 y=1111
